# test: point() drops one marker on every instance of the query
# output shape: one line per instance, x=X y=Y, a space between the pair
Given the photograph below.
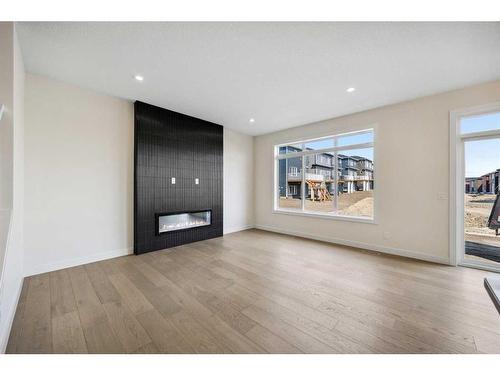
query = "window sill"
x=356 y=219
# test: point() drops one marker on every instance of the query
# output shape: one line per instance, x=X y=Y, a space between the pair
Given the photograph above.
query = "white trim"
x=73 y=262
x=316 y=214
x=238 y=229
x=361 y=245
x=455 y=155
x=9 y=215
x=6 y=328
x=6 y=321
x=482 y=109
x=457 y=179
x=302 y=185
x=335 y=202
x=487 y=134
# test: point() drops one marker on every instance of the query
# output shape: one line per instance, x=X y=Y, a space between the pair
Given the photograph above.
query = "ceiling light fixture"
x=252 y=120
x=139 y=78
x=350 y=89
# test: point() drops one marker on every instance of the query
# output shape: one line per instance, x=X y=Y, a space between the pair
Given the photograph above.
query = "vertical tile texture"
x=169 y=144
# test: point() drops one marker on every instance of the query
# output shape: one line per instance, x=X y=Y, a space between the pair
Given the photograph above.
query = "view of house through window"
x=331 y=176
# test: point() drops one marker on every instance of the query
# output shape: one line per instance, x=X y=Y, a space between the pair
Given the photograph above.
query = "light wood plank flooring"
x=256 y=292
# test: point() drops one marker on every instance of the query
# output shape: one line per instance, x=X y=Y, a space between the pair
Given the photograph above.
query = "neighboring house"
x=355 y=173
x=487 y=183
x=349 y=172
x=365 y=174
x=290 y=170
x=469 y=185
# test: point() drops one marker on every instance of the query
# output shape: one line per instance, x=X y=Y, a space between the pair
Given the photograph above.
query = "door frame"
x=457 y=181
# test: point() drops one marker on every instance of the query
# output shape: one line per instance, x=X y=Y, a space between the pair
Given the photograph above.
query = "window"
x=480 y=123
x=331 y=176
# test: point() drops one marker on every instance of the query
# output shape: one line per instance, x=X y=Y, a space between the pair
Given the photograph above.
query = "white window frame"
x=334 y=150
x=457 y=181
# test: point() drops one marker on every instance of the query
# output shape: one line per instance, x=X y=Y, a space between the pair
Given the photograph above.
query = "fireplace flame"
x=189 y=223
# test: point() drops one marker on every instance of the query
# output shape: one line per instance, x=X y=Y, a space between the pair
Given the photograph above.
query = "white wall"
x=412 y=168
x=238 y=181
x=79 y=175
x=12 y=177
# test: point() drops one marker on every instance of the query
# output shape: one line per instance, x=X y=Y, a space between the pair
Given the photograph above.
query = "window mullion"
x=303 y=184
x=335 y=178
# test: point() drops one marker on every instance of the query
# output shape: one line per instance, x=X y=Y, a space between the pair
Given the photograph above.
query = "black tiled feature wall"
x=169 y=144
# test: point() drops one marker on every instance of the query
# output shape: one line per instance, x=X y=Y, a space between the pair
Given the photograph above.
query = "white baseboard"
x=73 y=262
x=361 y=245
x=54 y=266
x=237 y=229
x=8 y=320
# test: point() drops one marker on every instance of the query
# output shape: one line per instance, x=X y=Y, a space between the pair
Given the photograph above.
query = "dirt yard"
x=359 y=203
x=477 y=212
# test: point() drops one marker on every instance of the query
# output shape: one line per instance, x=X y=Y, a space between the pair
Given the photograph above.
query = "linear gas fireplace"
x=175 y=221
x=178 y=179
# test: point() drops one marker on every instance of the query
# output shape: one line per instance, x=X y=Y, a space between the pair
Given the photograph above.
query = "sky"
x=482 y=156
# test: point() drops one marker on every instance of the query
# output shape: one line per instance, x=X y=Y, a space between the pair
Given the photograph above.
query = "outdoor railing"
x=364 y=177
x=297 y=176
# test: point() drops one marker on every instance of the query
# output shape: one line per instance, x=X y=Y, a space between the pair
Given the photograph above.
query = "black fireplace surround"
x=178 y=174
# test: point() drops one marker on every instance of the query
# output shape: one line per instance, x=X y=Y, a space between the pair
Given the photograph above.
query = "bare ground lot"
x=359 y=203
x=477 y=212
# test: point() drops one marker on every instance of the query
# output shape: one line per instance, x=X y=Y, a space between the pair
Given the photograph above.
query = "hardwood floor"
x=256 y=292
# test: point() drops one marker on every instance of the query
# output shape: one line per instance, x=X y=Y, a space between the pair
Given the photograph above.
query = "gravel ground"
x=359 y=203
x=477 y=212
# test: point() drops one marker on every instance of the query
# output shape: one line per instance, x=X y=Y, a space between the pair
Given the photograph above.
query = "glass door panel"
x=481 y=202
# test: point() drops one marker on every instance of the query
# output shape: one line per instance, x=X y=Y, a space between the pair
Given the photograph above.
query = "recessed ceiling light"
x=252 y=120
x=139 y=78
x=351 y=89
